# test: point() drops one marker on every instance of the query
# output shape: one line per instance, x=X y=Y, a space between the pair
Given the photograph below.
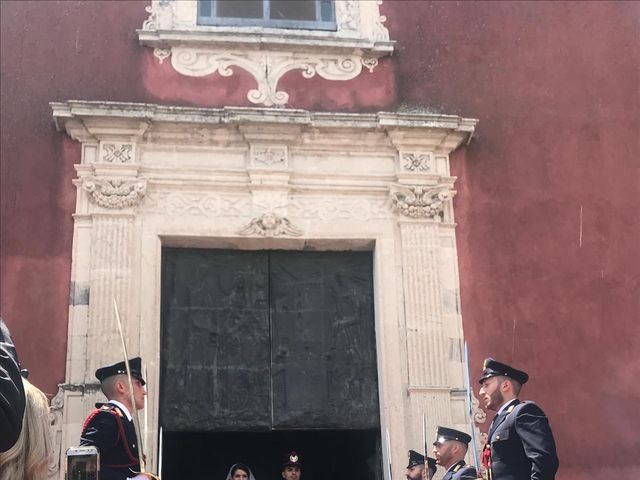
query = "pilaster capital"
x=115 y=193
x=421 y=201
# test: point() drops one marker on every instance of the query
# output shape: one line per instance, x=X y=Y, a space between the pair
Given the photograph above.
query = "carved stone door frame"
x=253 y=178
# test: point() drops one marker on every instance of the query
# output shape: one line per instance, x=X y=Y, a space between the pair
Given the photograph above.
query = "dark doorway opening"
x=265 y=352
x=326 y=454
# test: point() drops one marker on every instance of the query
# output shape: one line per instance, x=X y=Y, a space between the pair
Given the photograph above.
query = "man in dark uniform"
x=520 y=444
x=291 y=466
x=416 y=467
x=110 y=427
x=449 y=449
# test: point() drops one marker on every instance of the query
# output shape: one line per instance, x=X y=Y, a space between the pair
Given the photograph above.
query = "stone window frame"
x=267 y=53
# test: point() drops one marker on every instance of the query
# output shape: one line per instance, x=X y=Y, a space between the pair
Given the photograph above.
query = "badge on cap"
x=293 y=458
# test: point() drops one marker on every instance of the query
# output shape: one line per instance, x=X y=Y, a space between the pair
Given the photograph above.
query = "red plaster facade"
x=548 y=191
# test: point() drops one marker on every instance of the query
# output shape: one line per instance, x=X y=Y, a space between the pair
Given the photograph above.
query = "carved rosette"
x=416 y=162
x=115 y=193
x=117 y=152
x=269 y=156
x=419 y=201
x=270 y=225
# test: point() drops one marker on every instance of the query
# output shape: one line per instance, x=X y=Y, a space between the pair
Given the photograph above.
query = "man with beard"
x=416 y=468
x=449 y=449
x=520 y=444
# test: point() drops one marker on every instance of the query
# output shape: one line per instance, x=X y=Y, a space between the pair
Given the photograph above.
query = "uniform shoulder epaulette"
x=107 y=407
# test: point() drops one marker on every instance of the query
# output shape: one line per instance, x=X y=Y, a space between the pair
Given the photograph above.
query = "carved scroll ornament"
x=266 y=67
x=270 y=225
x=115 y=194
x=418 y=201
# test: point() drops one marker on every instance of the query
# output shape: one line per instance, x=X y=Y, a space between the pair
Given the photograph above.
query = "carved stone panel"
x=419 y=162
x=116 y=152
x=269 y=156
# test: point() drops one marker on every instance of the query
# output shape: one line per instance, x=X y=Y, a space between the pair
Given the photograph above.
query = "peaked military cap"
x=492 y=368
x=135 y=364
x=291 y=459
x=444 y=434
x=415 y=458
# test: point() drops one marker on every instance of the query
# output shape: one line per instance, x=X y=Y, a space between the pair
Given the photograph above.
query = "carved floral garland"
x=115 y=193
x=419 y=201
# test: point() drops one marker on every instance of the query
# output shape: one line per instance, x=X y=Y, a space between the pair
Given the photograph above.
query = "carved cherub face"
x=269 y=221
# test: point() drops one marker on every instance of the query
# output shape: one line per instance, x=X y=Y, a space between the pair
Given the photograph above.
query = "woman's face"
x=240 y=475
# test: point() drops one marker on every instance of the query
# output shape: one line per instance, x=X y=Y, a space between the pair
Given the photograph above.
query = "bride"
x=240 y=471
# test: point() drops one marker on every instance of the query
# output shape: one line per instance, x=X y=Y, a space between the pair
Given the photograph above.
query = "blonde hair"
x=29 y=458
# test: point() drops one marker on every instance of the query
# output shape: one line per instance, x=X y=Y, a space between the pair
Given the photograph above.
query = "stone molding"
x=89 y=120
x=115 y=193
x=421 y=202
x=267 y=53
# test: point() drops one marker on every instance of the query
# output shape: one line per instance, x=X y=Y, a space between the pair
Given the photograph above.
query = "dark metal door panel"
x=215 y=341
x=323 y=340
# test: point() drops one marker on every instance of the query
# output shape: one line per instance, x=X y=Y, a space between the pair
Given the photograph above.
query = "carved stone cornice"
x=270 y=225
x=420 y=201
x=115 y=193
x=405 y=131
